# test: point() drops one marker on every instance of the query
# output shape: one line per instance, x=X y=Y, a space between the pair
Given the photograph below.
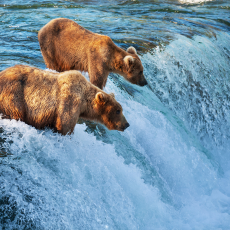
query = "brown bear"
x=65 y=45
x=44 y=99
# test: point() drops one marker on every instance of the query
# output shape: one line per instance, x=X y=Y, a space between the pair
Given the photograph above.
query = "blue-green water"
x=170 y=168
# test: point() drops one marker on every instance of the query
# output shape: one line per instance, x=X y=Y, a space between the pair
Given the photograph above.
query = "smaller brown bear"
x=65 y=45
x=44 y=99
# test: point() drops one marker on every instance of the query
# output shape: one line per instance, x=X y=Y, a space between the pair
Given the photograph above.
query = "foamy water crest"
x=193 y=1
x=192 y=77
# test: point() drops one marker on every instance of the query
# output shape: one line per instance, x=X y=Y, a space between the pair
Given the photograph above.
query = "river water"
x=170 y=168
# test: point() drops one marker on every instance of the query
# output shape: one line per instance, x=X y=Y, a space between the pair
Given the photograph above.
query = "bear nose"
x=126 y=125
x=143 y=82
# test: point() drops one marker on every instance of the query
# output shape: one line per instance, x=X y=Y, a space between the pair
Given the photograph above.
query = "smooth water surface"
x=170 y=168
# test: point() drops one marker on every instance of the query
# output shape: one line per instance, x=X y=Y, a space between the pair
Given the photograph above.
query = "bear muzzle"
x=123 y=127
x=143 y=82
x=127 y=125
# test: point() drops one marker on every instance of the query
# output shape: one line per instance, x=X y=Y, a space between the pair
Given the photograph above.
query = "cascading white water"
x=193 y=1
x=192 y=76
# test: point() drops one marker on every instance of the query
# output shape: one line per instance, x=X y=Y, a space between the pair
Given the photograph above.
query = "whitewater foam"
x=194 y=1
x=191 y=76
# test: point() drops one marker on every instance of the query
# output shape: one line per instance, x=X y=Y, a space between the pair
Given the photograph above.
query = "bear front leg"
x=65 y=123
x=95 y=80
x=68 y=113
x=98 y=75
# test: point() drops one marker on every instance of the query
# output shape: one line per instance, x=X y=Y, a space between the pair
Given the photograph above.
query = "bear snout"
x=123 y=127
x=143 y=82
x=126 y=125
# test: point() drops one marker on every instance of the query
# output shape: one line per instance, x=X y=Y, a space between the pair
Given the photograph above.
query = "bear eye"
x=118 y=111
x=141 y=72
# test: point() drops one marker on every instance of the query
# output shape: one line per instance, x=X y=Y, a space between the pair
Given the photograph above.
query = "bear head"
x=109 y=112
x=134 y=68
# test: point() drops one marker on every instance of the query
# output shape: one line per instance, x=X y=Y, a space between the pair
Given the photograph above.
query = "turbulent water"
x=170 y=168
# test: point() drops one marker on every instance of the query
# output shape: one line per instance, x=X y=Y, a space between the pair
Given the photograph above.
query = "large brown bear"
x=41 y=98
x=65 y=45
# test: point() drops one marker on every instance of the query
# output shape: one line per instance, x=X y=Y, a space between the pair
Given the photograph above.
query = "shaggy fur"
x=65 y=45
x=57 y=100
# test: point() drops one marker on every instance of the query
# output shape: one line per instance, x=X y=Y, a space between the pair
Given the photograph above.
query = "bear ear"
x=131 y=50
x=100 y=97
x=129 y=60
x=112 y=94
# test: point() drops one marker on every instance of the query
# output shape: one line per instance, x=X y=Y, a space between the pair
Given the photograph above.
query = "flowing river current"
x=171 y=168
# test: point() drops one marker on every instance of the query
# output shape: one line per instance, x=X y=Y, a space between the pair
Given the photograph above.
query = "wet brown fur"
x=44 y=99
x=65 y=45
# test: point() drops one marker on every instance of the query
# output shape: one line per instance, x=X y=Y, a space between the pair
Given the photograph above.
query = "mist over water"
x=170 y=168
